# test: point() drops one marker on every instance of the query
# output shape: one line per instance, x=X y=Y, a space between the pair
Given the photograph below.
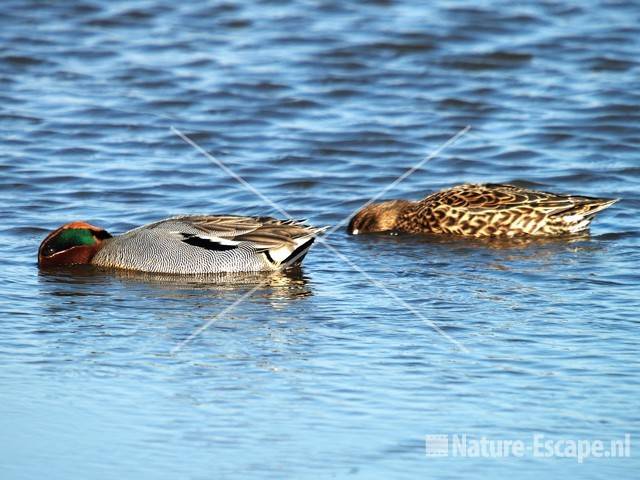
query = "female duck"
x=184 y=245
x=482 y=211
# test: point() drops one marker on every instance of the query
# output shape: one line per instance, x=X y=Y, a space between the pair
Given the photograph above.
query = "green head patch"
x=68 y=238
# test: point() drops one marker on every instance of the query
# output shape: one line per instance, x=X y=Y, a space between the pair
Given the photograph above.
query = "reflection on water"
x=288 y=279
x=519 y=242
x=88 y=280
x=80 y=274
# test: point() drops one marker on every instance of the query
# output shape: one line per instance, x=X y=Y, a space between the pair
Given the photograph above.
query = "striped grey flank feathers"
x=200 y=244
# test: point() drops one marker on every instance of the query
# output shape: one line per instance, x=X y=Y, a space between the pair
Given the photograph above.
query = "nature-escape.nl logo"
x=539 y=446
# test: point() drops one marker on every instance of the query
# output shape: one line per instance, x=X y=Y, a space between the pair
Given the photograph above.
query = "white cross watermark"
x=322 y=241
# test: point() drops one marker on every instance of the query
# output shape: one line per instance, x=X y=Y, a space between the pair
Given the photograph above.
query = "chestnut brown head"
x=378 y=217
x=72 y=244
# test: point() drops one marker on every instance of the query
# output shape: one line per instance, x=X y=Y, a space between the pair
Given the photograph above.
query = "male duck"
x=489 y=210
x=184 y=245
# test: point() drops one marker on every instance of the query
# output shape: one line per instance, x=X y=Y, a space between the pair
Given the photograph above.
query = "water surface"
x=319 y=106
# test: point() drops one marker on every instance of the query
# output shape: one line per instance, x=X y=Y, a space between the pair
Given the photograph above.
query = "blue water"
x=336 y=371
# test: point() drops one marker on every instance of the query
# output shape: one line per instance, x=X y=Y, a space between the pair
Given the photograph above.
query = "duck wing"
x=225 y=232
x=498 y=209
x=497 y=197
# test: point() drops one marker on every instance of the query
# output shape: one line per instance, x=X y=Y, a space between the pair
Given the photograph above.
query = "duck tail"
x=292 y=255
x=587 y=207
x=578 y=217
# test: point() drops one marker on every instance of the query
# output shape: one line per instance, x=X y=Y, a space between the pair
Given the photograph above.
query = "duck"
x=185 y=244
x=482 y=210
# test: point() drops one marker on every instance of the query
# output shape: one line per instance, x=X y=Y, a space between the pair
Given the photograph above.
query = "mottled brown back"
x=499 y=210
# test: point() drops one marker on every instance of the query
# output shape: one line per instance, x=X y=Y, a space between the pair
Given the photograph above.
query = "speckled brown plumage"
x=489 y=210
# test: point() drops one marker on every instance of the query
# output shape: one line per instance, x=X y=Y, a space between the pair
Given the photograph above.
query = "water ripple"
x=320 y=106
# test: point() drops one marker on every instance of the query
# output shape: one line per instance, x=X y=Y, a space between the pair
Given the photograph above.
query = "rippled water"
x=319 y=106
